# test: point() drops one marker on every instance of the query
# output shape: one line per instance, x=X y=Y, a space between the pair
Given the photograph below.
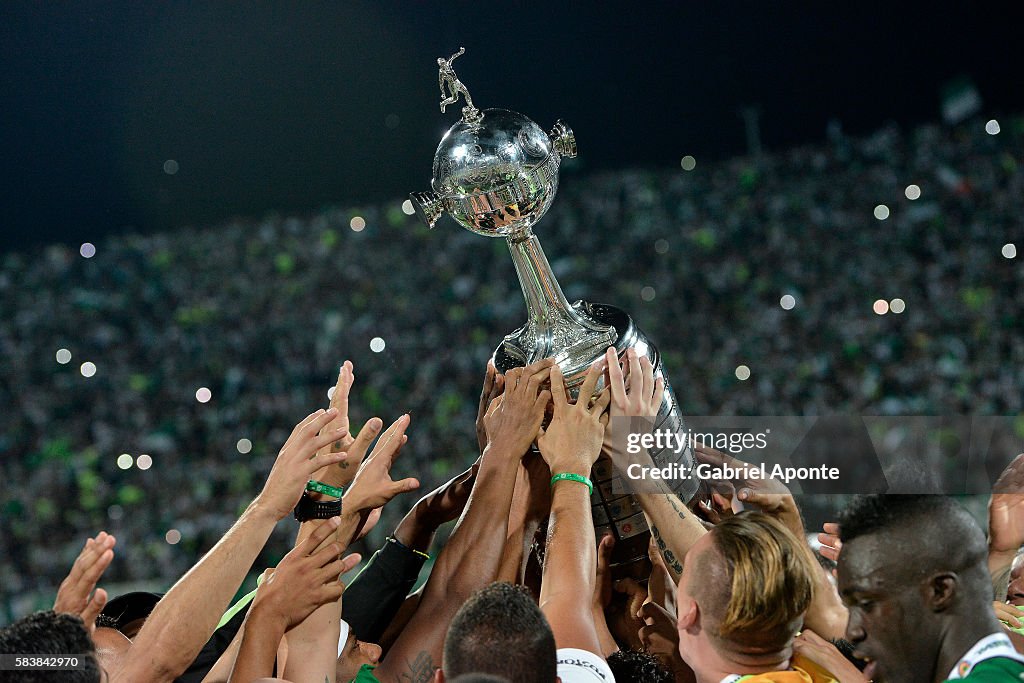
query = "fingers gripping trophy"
x=496 y=173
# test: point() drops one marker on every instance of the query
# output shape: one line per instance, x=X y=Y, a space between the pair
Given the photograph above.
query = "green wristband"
x=320 y=487
x=572 y=476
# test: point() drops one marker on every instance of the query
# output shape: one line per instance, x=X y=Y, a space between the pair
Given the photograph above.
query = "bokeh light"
x=115 y=512
x=144 y=462
x=357 y=223
x=173 y=536
x=1009 y=250
x=661 y=246
x=377 y=345
x=742 y=373
x=243 y=446
x=880 y=307
x=992 y=127
x=87 y=250
x=881 y=212
x=171 y=167
x=913 y=192
x=88 y=369
x=203 y=395
x=124 y=461
x=647 y=293
x=407 y=207
x=63 y=356
x=788 y=301
x=330 y=393
x=897 y=306
x=688 y=163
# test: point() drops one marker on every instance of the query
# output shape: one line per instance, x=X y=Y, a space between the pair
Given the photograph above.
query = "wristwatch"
x=316 y=509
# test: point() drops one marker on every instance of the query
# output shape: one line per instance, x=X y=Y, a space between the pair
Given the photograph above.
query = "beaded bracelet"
x=572 y=476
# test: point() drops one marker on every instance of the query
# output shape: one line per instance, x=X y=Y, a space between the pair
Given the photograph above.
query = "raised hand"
x=641 y=398
x=443 y=504
x=823 y=653
x=572 y=442
x=770 y=495
x=78 y=593
x=494 y=385
x=659 y=635
x=831 y=546
x=340 y=423
x=306 y=578
x=298 y=460
x=514 y=418
x=372 y=486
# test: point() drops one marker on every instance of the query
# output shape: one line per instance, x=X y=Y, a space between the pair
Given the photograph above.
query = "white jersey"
x=581 y=666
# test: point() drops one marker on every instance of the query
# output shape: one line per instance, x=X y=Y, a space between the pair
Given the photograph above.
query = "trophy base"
x=614 y=510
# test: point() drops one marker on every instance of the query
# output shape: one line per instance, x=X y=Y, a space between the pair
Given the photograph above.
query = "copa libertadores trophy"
x=496 y=173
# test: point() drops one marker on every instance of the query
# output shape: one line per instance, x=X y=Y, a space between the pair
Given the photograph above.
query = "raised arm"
x=570 y=446
x=469 y=560
x=78 y=594
x=675 y=529
x=186 y=616
x=306 y=580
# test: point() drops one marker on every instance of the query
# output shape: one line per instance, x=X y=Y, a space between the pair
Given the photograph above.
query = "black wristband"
x=316 y=509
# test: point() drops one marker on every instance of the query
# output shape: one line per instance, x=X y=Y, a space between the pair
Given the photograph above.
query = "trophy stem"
x=553 y=327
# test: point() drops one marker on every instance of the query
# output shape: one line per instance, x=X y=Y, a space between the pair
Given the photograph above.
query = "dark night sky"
x=286 y=106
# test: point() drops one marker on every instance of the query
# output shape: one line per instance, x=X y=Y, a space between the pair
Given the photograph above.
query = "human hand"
x=823 y=653
x=297 y=461
x=621 y=615
x=659 y=634
x=572 y=441
x=1008 y=614
x=443 y=504
x=641 y=398
x=514 y=418
x=770 y=495
x=720 y=508
x=494 y=385
x=306 y=578
x=73 y=596
x=603 y=583
x=372 y=486
x=831 y=546
x=346 y=469
x=1006 y=510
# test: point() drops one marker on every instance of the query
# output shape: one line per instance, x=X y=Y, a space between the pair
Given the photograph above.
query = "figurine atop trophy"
x=495 y=172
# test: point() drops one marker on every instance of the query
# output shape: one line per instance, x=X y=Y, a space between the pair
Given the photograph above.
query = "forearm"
x=569 y=567
x=186 y=616
x=261 y=636
x=313 y=646
x=826 y=616
x=375 y=596
x=674 y=528
x=466 y=563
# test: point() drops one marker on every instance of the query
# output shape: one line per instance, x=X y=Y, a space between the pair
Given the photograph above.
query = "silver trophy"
x=496 y=173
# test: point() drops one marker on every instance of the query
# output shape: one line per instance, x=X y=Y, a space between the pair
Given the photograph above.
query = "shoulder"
x=582 y=666
x=996 y=669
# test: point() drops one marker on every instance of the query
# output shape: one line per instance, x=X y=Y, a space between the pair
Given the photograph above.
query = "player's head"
x=500 y=631
x=51 y=633
x=911 y=567
x=744 y=590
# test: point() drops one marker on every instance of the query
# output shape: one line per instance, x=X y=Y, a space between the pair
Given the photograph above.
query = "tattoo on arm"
x=670 y=557
x=421 y=669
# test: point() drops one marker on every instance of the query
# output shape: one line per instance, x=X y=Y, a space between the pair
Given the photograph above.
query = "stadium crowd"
x=259 y=312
